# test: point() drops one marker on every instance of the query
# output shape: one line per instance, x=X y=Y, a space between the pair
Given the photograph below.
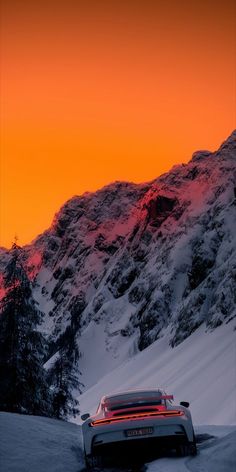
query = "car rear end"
x=135 y=423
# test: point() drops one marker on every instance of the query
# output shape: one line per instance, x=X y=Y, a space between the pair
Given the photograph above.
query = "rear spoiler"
x=161 y=397
x=167 y=397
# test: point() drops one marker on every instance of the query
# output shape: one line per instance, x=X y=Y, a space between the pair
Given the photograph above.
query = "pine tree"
x=64 y=377
x=23 y=384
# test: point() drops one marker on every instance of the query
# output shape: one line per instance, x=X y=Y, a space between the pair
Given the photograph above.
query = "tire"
x=182 y=450
x=93 y=462
x=189 y=449
x=87 y=462
x=193 y=448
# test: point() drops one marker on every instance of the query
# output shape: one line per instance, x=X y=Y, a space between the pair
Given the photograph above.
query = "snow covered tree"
x=64 y=377
x=23 y=384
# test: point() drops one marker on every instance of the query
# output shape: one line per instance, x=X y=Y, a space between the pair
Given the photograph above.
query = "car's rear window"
x=136 y=399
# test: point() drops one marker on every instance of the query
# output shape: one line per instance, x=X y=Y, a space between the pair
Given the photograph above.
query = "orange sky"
x=97 y=91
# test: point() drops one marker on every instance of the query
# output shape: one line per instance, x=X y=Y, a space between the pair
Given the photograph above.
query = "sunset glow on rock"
x=94 y=92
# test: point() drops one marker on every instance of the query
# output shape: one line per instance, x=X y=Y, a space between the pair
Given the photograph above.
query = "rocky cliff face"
x=134 y=260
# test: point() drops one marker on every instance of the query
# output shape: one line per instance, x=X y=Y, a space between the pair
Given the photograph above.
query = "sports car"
x=135 y=420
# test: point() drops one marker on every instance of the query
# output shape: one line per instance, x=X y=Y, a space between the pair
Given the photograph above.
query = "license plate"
x=138 y=432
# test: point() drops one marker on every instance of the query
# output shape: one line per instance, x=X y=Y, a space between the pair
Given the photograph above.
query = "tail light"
x=165 y=414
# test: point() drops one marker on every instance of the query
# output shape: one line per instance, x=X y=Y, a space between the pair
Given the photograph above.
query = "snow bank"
x=36 y=444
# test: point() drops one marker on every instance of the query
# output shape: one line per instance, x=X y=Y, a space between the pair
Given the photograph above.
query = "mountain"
x=131 y=263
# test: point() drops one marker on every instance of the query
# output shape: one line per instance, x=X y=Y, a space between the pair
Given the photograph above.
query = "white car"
x=137 y=420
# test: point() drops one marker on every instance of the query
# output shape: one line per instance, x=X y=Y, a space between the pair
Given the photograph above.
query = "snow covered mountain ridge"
x=130 y=262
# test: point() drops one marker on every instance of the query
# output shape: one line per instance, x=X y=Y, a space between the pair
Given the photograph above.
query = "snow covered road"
x=217 y=454
x=36 y=444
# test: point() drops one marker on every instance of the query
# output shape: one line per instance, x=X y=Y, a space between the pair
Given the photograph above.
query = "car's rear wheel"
x=189 y=449
x=193 y=447
x=182 y=450
x=93 y=462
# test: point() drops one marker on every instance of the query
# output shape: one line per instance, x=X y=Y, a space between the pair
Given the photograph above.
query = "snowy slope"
x=200 y=370
x=31 y=443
